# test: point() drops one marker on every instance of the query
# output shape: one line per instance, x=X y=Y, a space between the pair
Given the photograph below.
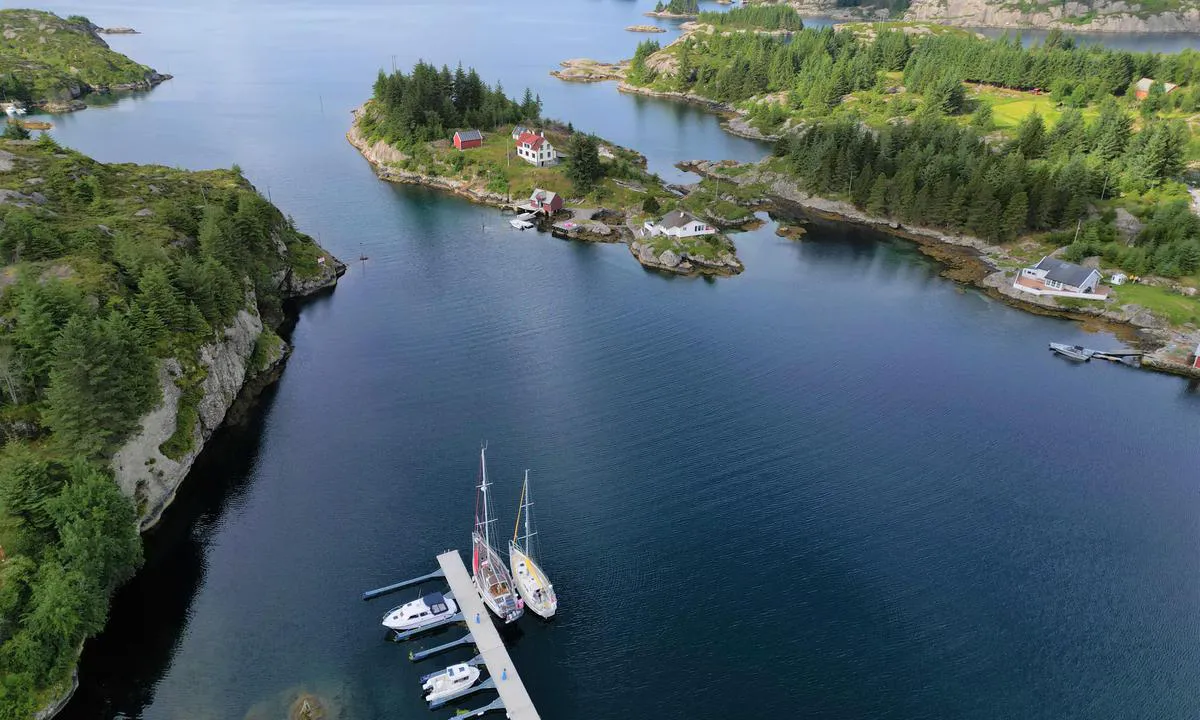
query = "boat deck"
x=515 y=697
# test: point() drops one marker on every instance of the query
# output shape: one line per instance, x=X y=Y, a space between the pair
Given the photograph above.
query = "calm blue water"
x=837 y=486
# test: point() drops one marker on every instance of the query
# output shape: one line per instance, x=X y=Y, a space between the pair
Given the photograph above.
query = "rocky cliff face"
x=1113 y=16
x=141 y=469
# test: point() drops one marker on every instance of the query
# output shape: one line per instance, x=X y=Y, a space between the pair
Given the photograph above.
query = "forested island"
x=50 y=61
x=1024 y=151
x=136 y=302
x=406 y=131
x=676 y=9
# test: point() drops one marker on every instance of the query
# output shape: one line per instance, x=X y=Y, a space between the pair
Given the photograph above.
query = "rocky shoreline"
x=383 y=158
x=975 y=261
x=646 y=29
x=75 y=102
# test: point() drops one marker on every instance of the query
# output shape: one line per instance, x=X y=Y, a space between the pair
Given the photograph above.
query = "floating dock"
x=514 y=699
x=513 y=695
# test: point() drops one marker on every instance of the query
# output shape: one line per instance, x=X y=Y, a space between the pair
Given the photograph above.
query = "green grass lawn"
x=1177 y=309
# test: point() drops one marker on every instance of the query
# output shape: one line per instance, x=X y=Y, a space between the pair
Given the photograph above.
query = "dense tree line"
x=816 y=67
x=1168 y=245
x=936 y=172
x=678 y=7
x=429 y=104
x=765 y=17
x=91 y=312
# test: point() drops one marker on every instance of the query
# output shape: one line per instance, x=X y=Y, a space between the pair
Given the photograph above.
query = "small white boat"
x=532 y=584
x=520 y=224
x=1077 y=353
x=13 y=109
x=420 y=612
x=450 y=682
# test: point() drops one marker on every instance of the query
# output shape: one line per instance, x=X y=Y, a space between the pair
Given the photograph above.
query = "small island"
x=646 y=29
x=490 y=149
x=51 y=62
x=677 y=9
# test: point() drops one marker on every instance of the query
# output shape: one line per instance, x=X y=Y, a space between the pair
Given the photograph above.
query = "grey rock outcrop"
x=142 y=470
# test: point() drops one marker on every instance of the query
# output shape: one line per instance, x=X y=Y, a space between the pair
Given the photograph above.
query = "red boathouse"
x=464 y=139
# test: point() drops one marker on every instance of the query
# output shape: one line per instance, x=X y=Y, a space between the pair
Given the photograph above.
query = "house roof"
x=535 y=141
x=519 y=130
x=1064 y=272
x=469 y=135
x=677 y=218
x=1145 y=84
x=543 y=196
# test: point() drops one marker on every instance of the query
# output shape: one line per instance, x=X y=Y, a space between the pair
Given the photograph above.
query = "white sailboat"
x=531 y=581
x=491 y=577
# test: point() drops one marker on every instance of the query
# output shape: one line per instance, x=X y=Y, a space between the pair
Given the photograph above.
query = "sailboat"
x=492 y=580
x=532 y=583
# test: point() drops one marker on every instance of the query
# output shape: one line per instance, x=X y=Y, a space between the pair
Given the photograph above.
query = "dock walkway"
x=517 y=702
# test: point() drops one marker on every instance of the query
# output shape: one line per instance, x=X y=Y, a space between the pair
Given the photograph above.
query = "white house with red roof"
x=535 y=149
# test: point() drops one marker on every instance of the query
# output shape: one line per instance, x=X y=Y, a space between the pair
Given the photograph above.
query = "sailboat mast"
x=520 y=506
x=528 y=502
x=487 y=533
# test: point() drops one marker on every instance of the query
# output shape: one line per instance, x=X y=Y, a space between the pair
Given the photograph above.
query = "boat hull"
x=494 y=584
x=534 y=587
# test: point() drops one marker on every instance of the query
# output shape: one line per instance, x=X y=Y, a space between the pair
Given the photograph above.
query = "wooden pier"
x=517 y=702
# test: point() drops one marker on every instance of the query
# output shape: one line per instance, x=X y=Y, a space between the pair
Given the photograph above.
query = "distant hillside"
x=46 y=59
x=1132 y=16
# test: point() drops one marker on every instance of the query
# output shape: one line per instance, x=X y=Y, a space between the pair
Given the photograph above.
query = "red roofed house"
x=546 y=201
x=1141 y=88
x=1195 y=358
x=535 y=149
x=464 y=139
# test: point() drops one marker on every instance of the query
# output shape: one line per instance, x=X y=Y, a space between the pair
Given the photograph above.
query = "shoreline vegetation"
x=607 y=193
x=139 y=302
x=1061 y=158
x=51 y=63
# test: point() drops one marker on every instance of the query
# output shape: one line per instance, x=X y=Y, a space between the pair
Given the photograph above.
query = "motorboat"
x=424 y=610
x=450 y=682
x=1077 y=353
x=532 y=584
x=520 y=224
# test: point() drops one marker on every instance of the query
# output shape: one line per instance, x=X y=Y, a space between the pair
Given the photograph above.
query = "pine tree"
x=1015 y=216
x=1031 y=136
x=584 y=169
x=877 y=204
x=101 y=382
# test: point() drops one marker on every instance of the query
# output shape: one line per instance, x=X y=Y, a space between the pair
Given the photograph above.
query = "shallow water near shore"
x=835 y=486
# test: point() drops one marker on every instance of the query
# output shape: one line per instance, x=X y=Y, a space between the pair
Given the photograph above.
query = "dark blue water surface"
x=836 y=486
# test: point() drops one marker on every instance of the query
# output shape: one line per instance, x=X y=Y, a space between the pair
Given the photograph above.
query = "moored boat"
x=450 y=682
x=532 y=584
x=426 y=609
x=491 y=577
x=1073 y=352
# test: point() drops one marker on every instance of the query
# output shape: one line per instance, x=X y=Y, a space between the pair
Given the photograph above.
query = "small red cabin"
x=1195 y=358
x=464 y=139
x=546 y=201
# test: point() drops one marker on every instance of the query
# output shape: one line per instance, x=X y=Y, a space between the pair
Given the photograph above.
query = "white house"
x=535 y=149
x=1118 y=278
x=518 y=131
x=1061 y=279
x=678 y=223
